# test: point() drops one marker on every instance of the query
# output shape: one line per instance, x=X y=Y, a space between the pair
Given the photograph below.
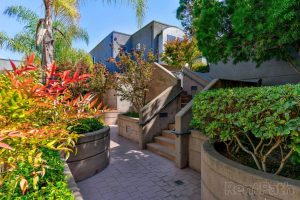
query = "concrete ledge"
x=224 y=179
x=129 y=128
x=71 y=183
x=110 y=117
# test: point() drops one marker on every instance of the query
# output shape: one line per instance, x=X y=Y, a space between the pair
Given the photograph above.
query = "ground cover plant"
x=33 y=129
x=262 y=123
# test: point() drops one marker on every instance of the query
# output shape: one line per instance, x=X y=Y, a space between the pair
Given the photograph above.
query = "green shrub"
x=85 y=125
x=132 y=114
x=200 y=67
x=263 y=122
x=52 y=185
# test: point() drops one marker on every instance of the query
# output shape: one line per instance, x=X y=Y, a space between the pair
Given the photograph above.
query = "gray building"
x=152 y=36
x=5 y=64
x=272 y=72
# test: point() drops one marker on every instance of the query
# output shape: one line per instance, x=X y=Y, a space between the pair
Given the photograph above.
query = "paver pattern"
x=140 y=175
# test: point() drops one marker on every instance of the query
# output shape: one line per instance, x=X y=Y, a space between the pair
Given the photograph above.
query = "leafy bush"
x=200 y=67
x=263 y=122
x=85 y=125
x=33 y=119
x=52 y=185
x=180 y=52
x=134 y=82
x=132 y=114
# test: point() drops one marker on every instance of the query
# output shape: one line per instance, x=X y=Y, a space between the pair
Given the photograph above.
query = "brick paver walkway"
x=139 y=175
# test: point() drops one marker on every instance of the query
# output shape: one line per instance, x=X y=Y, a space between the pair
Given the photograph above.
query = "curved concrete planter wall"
x=224 y=179
x=92 y=154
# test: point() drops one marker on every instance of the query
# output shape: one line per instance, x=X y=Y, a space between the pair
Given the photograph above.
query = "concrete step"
x=168 y=134
x=171 y=126
x=161 y=150
x=164 y=141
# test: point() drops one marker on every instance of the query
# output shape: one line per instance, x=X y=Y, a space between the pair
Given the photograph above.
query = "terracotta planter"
x=225 y=179
x=92 y=154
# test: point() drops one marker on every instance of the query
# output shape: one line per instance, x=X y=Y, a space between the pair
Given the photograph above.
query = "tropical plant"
x=180 y=52
x=64 y=34
x=133 y=84
x=33 y=125
x=262 y=122
x=68 y=11
x=247 y=30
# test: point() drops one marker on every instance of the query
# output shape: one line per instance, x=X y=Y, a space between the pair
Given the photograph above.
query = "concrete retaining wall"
x=71 y=183
x=223 y=179
x=92 y=154
x=110 y=117
x=196 y=141
x=129 y=128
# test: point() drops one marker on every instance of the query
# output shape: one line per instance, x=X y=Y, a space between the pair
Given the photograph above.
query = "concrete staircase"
x=164 y=145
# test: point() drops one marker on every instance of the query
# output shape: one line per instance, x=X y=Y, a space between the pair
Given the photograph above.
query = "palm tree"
x=25 y=41
x=67 y=10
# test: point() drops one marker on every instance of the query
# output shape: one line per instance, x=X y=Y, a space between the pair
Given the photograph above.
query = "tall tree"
x=25 y=41
x=68 y=10
x=249 y=30
x=179 y=52
x=185 y=15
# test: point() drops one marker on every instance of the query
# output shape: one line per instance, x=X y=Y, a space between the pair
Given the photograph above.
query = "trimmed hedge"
x=261 y=121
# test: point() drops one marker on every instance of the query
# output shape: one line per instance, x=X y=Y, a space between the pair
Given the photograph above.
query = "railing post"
x=182 y=120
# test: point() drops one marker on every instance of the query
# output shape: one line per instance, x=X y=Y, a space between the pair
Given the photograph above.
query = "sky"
x=97 y=18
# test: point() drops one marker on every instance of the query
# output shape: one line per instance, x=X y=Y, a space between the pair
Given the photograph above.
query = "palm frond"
x=66 y=10
x=22 y=14
x=140 y=7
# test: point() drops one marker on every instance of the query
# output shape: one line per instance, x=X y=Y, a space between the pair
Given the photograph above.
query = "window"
x=171 y=38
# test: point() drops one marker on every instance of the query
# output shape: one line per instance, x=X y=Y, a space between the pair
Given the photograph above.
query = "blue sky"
x=98 y=18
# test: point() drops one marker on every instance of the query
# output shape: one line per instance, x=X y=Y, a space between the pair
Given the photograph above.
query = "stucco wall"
x=144 y=37
x=103 y=51
x=163 y=38
x=129 y=128
x=109 y=47
x=160 y=81
x=193 y=81
x=272 y=72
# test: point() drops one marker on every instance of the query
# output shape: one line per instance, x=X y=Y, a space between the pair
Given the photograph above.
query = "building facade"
x=153 y=36
x=5 y=64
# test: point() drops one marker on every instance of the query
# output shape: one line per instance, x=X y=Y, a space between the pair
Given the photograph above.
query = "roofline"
x=4 y=59
x=154 y=21
x=120 y=33
x=107 y=36
x=151 y=22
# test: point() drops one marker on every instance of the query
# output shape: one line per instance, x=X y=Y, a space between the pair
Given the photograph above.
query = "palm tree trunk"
x=48 y=41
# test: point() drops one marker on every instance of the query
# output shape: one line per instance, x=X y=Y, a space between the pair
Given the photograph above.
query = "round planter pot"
x=92 y=154
x=224 y=179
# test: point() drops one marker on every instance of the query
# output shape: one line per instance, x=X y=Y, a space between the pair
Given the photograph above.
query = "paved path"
x=139 y=175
